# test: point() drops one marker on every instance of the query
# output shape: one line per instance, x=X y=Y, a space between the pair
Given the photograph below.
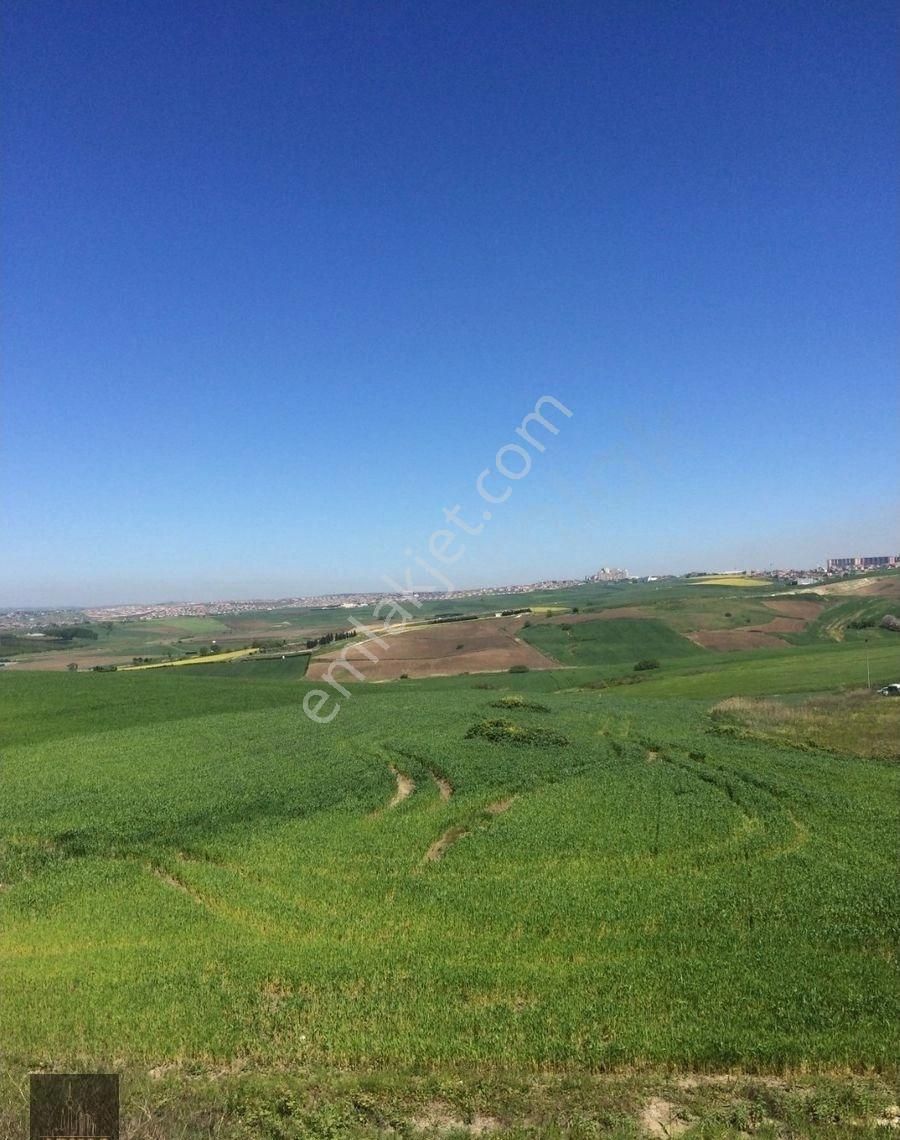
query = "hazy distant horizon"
x=246 y=593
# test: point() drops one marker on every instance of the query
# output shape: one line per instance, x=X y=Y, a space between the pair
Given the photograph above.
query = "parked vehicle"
x=892 y=690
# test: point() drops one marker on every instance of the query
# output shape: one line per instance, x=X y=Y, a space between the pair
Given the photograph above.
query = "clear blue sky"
x=280 y=278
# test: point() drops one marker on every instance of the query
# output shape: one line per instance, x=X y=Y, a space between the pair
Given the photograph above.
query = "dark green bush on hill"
x=518 y=703
x=646 y=663
x=519 y=669
x=505 y=732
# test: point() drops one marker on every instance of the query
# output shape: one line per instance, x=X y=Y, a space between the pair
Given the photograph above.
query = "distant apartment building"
x=609 y=574
x=863 y=562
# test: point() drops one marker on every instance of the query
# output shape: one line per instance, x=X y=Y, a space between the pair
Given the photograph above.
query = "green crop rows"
x=215 y=876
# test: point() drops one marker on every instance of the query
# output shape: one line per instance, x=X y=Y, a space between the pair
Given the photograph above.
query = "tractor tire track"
x=177 y=885
x=444 y=787
x=439 y=848
x=406 y=785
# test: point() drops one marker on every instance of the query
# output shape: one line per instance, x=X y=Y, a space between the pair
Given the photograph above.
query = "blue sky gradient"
x=280 y=279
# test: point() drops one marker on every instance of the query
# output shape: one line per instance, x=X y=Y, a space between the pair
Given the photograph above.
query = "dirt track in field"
x=439 y=848
x=444 y=787
x=405 y=787
x=483 y=645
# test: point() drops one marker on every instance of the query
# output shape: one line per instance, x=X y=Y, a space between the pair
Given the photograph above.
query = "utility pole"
x=868 y=675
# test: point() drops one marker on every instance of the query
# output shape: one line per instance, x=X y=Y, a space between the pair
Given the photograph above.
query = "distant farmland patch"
x=732 y=640
x=480 y=645
x=626 y=613
x=794 y=607
x=186 y=626
x=291 y=666
x=616 y=641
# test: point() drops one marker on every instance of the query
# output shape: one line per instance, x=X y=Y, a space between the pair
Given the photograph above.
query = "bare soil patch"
x=659 y=1119
x=440 y=1119
x=500 y=806
x=484 y=645
x=405 y=787
x=439 y=848
x=445 y=788
x=728 y=640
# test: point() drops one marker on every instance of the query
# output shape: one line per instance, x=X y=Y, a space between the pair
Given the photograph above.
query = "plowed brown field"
x=478 y=646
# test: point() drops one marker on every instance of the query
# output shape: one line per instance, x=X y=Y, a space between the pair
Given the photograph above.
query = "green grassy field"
x=612 y=642
x=197 y=879
x=806 y=669
x=290 y=667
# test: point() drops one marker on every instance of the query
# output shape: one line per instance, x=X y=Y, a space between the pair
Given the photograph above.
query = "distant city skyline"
x=424 y=587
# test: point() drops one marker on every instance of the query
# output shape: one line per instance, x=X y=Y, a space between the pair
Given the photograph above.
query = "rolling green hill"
x=196 y=878
x=610 y=642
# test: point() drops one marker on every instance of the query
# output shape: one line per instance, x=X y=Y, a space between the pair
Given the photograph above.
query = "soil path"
x=500 y=806
x=405 y=787
x=443 y=785
x=438 y=849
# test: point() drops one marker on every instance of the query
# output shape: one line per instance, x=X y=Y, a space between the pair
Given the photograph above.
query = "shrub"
x=646 y=663
x=519 y=669
x=505 y=732
x=518 y=703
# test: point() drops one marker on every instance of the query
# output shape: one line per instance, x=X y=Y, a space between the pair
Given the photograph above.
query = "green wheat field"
x=528 y=905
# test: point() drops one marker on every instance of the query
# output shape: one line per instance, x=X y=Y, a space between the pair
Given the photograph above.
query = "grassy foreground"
x=210 y=894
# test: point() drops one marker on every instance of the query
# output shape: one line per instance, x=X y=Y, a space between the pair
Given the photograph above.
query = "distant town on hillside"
x=33 y=617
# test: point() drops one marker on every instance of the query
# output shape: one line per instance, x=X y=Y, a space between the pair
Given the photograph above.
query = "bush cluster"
x=518 y=703
x=505 y=732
